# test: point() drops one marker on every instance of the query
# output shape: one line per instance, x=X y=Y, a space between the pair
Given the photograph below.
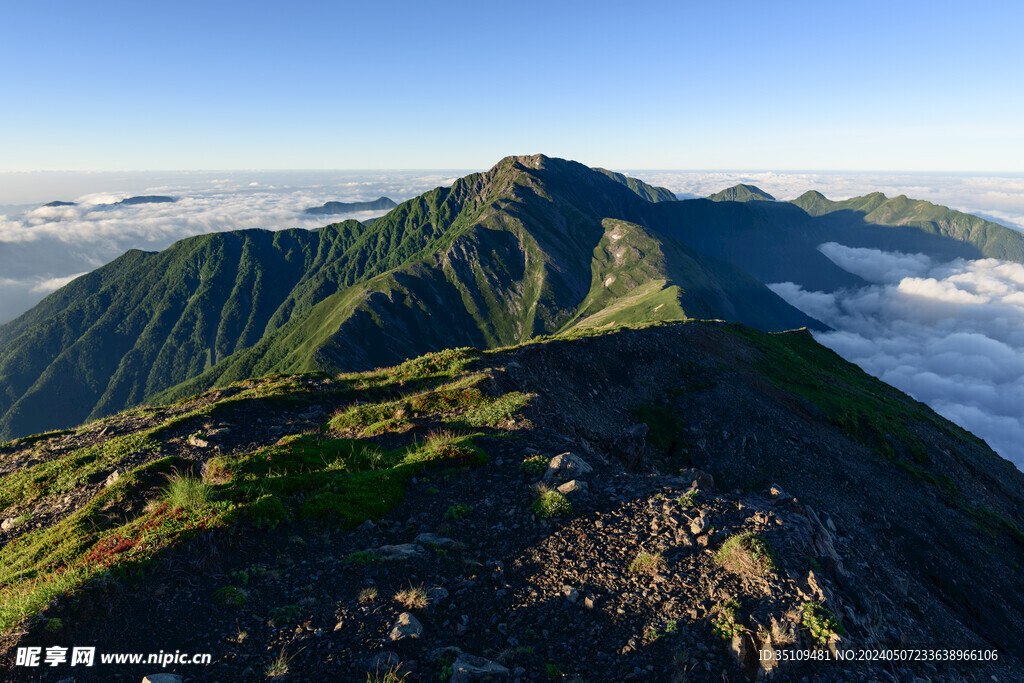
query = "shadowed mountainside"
x=713 y=493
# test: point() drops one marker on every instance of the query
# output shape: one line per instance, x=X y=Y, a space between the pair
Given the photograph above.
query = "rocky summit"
x=675 y=501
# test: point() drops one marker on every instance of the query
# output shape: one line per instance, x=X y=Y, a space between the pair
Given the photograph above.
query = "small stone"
x=198 y=442
x=588 y=603
x=403 y=551
x=114 y=476
x=699 y=478
x=571 y=594
x=436 y=595
x=698 y=525
x=573 y=486
x=434 y=539
x=468 y=668
x=406 y=626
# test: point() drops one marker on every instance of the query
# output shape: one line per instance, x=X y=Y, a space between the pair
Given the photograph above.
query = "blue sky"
x=912 y=86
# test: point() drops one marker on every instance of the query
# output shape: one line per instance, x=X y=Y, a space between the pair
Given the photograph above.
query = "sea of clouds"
x=43 y=248
x=949 y=334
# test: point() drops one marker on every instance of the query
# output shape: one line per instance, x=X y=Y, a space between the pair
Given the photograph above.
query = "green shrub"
x=724 y=624
x=230 y=596
x=820 y=623
x=54 y=625
x=267 y=512
x=286 y=614
x=534 y=465
x=551 y=503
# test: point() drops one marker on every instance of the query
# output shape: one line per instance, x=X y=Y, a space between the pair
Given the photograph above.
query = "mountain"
x=651 y=193
x=380 y=204
x=741 y=193
x=535 y=246
x=145 y=199
x=677 y=499
x=912 y=226
x=59 y=203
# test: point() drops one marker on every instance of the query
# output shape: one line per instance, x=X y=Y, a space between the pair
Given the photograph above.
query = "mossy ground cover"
x=56 y=477
x=321 y=477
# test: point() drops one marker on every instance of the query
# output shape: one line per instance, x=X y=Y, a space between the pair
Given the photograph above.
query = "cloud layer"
x=949 y=334
x=43 y=248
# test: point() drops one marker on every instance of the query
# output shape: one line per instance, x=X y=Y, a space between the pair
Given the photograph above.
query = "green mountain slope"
x=651 y=193
x=534 y=246
x=493 y=260
x=913 y=225
x=741 y=193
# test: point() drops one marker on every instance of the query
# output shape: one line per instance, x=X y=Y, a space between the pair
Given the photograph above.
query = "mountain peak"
x=742 y=193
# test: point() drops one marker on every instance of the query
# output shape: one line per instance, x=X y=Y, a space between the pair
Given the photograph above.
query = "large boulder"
x=406 y=626
x=565 y=467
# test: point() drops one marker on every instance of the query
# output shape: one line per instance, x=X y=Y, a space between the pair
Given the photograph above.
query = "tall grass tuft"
x=187 y=493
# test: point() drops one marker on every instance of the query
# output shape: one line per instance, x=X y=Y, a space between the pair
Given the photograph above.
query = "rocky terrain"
x=670 y=503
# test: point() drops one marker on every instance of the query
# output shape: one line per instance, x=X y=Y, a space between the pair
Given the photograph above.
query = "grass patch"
x=44 y=563
x=59 y=476
x=187 y=493
x=393 y=674
x=551 y=503
x=647 y=563
x=458 y=511
x=746 y=555
x=345 y=480
x=368 y=594
x=495 y=411
x=688 y=500
x=414 y=597
x=279 y=665
x=362 y=558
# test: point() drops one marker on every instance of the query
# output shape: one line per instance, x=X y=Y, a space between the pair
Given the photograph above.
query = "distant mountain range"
x=379 y=204
x=130 y=201
x=535 y=246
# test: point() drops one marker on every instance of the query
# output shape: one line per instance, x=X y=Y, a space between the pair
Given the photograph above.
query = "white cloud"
x=875 y=265
x=949 y=334
x=54 y=283
x=45 y=245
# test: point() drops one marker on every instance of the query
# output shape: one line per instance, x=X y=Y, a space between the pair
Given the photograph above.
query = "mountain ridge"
x=520 y=250
x=671 y=453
